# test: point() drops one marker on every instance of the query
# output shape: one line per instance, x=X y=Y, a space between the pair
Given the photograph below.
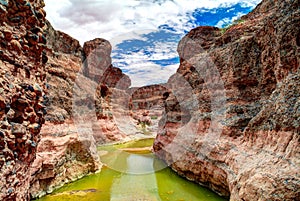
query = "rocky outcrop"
x=71 y=66
x=22 y=36
x=102 y=70
x=147 y=97
x=22 y=62
x=232 y=120
x=146 y=106
x=64 y=62
x=60 y=42
x=70 y=91
x=108 y=92
x=63 y=156
x=36 y=59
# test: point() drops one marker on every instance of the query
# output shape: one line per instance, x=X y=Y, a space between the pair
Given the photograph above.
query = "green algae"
x=138 y=177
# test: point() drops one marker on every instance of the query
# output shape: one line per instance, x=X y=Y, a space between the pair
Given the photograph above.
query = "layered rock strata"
x=146 y=106
x=63 y=155
x=233 y=121
x=73 y=89
x=147 y=97
x=64 y=62
x=39 y=67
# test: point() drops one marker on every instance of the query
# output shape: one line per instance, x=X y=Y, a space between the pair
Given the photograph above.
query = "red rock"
x=16 y=45
x=147 y=97
x=232 y=123
x=17 y=151
x=98 y=66
x=62 y=158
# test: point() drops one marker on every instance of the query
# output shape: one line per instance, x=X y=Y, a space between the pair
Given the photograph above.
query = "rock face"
x=73 y=88
x=233 y=121
x=39 y=68
x=146 y=97
x=102 y=70
x=146 y=106
x=64 y=62
x=63 y=155
x=22 y=90
x=108 y=91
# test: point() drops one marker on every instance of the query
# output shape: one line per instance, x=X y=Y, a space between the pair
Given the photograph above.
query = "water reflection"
x=140 y=186
x=137 y=180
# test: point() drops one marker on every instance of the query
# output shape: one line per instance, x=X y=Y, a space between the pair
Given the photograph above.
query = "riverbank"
x=132 y=176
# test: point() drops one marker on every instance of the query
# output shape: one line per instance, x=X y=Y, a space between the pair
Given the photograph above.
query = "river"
x=132 y=173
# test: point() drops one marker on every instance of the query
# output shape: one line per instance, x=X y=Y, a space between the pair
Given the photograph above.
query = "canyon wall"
x=41 y=70
x=63 y=154
x=232 y=122
x=79 y=115
x=109 y=91
x=22 y=78
x=146 y=107
x=146 y=97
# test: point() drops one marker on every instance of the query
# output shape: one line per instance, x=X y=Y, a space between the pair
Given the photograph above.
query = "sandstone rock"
x=61 y=42
x=64 y=75
x=114 y=78
x=66 y=153
x=237 y=128
x=7 y=34
x=2 y=103
x=63 y=156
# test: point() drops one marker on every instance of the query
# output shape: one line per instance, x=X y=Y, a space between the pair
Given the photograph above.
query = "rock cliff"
x=61 y=152
x=64 y=62
x=63 y=155
x=146 y=107
x=146 y=97
x=102 y=71
x=22 y=75
x=40 y=70
x=232 y=121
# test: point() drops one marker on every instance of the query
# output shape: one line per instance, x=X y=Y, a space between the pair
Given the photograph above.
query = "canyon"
x=229 y=119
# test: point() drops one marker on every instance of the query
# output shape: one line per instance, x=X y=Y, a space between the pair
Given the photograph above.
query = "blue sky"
x=144 y=33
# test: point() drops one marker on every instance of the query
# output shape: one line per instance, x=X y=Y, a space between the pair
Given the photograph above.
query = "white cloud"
x=88 y=19
x=164 y=50
x=146 y=73
x=142 y=71
x=227 y=20
x=223 y=22
x=118 y=21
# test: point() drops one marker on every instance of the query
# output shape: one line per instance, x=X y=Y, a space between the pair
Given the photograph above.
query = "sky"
x=144 y=33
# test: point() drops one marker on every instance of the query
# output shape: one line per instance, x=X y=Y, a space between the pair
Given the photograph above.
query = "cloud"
x=84 y=12
x=144 y=33
x=88 y=19
x=226 y=21
x=142 y=74
x=149 y=65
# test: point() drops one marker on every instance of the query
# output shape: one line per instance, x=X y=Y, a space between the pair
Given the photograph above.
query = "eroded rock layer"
x=146 y=106
x=233 y=121
x=63 y=155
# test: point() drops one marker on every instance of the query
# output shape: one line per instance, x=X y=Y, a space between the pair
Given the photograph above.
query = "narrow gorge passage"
x=132 y=176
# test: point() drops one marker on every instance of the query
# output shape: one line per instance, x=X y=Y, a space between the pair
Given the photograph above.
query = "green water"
x=132 y=177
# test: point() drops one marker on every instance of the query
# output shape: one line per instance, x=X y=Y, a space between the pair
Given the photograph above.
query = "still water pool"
x=132 y=173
